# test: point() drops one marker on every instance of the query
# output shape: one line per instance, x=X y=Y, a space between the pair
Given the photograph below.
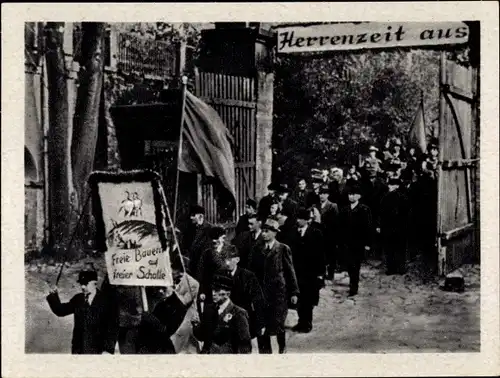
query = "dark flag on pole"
x=206 y=145
x=417 y=130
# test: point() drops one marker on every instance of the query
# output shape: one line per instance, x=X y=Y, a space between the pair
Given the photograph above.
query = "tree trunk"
x=59 y=138
x=85 y=127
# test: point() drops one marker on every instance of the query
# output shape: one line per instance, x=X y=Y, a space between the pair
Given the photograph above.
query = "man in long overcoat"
x=272 y=263
x=94 y=329
x=392 y=224
x=329 y=212
x=356 y=234
x=307 y=247
x=246 y=292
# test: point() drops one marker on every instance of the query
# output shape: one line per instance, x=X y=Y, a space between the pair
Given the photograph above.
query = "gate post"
x=246 y=50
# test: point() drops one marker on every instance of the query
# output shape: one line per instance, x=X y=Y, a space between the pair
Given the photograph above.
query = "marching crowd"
x=231 y=294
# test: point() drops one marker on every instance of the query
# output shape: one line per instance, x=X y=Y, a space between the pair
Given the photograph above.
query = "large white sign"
x=369 y=35
x=134 y=253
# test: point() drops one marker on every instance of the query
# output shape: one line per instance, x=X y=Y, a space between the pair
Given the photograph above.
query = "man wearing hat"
x=313 y=196
x=250 y=208
x=329 y=212
x=392 y=225
x=196 y=237
x=211 y=261
x=372 y=162
x=287 y=205
x=308 y=252
x=223 y=326
x=267 y=200
x=246 y=292
x=272 y=263
x=356 y=233
x=92 y=329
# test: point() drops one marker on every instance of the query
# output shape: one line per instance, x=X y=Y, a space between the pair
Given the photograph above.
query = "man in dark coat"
x=329 y=212
x=309 y=264
x=313 y=196
x=92 y=329
x=158 y=326
x=247 y=240
x=287 y=206
x=212 y=261
x=246 y=293
x=337 y=188
x=392 y=224
x=223 y=326
x=266 y=201
x=301 y=193
x=374 y=188
x=272 y=263
x=250 y=209
x=196 y=237
x=356 y=233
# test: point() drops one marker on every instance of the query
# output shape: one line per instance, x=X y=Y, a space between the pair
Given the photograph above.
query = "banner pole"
x=144 y=299
x=179 y=150
x=176 y=242
x=70 y=244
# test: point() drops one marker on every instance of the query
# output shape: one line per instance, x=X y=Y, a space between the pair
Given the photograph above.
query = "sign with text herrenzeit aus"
x=369 y=35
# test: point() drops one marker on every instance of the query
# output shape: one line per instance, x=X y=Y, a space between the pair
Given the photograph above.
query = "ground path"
x=390 y=314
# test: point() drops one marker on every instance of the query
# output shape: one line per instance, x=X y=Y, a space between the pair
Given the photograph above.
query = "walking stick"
x=70 y=244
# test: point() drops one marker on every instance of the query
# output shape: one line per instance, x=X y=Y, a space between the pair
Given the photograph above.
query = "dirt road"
x=390 y=314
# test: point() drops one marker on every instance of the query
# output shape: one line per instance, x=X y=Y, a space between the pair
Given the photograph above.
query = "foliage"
x=328 y=109
x=149 y=43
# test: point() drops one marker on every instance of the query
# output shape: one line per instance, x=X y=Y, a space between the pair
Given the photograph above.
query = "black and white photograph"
x=254 y=187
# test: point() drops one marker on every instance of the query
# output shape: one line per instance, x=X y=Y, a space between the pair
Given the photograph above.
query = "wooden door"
x=234 y=99
x=457 y=217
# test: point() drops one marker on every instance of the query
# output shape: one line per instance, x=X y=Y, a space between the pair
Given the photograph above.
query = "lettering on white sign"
x=331 y=37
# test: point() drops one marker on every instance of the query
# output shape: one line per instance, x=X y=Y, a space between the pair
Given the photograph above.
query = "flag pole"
x=179 y=153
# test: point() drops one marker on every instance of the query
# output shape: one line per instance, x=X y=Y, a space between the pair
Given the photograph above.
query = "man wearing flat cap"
x=246 y=292
x=272 y=263
x=392 y=225
x=223 y=326
x=308 y=254
x=356 y=234
x=92 y=330
x=196 y=237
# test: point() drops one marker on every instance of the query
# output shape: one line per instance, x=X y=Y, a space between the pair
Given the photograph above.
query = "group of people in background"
x=232 y=293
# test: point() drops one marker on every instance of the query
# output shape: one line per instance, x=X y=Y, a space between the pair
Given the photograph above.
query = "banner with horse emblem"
x=130 y=212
